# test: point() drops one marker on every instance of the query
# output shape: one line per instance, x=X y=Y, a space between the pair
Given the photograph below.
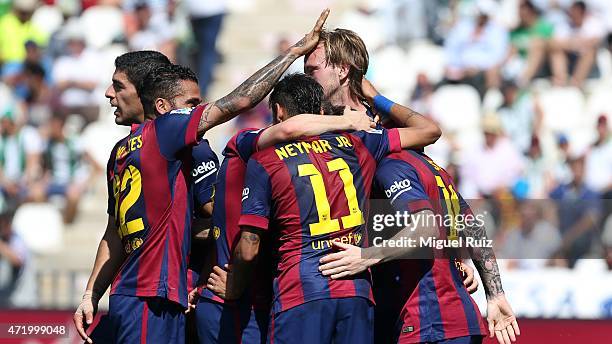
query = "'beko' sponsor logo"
x=203 y=170
x=399 y=187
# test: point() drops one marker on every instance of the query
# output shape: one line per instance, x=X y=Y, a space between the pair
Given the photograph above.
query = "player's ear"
x=343 y=70
x=162 y=106
x=280 y=113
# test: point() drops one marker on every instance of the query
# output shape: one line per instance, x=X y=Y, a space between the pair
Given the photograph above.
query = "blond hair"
x=345 y=47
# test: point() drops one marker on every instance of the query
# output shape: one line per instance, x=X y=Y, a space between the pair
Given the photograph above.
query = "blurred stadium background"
x=521 y=90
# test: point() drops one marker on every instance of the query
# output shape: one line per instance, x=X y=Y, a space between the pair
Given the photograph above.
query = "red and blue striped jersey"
x=436 y=304
x=226 y=213
x=149 y=188
x=203 y=175
x=309 y=193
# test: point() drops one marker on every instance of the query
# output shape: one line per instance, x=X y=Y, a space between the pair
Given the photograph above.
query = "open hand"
x=347 y=262
x=84 y=314
x=310 y=41
x=359 y=120
x=501 y=319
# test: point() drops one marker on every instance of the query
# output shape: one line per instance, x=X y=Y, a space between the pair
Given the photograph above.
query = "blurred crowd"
x=520 y=89
x=56 y=59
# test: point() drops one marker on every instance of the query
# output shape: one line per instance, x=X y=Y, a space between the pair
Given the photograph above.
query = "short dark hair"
x=164 y=82
x=138 y=64
x=581 y=5
x=530 y=6
x=297 y=93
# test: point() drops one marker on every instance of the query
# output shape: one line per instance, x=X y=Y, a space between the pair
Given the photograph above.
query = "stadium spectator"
x=16 y=28
x=20 y=157
x=13 y=72
x=529 y=42
x=574 y=46
x=578 y=209
x=493 y=167
x=38 y=94
x=14 y=257
x=520 y=115
x=561 y=171
x=475 y=49
x=206 y=20
x=420 y=100
x=257 y=117
x=152 y=35
x=65 y=172
x=533 y=240
x=537 y=181
x=599 y=160
x=76 y=76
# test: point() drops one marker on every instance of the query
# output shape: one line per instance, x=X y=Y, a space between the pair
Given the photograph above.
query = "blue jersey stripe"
x=429 y=307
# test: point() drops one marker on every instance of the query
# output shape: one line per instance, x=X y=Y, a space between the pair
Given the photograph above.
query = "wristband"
x=382 y=105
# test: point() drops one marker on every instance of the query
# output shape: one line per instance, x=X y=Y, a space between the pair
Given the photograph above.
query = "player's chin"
x=121 y=120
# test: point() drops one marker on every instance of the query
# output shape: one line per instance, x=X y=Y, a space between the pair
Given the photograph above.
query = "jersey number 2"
x=326 y=224
x=131 y=177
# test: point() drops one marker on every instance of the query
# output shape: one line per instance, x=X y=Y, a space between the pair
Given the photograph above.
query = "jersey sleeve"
x=402 y=186
x=177 y=129
x=380 y=142
x=246 y=143
x=110 y=210
x=204 y=172
x=256 y=196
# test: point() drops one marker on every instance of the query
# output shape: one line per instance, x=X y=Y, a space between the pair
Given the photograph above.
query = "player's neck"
x=344 y=98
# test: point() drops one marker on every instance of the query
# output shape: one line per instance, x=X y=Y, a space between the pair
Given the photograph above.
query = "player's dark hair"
x=138 y=64
x=164 y=82
x=581 y=5
x=531 y=7
x=297 y=93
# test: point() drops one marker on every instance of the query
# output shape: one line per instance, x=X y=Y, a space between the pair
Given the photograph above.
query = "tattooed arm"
x=255 y=88
x=500 y=317
x=243 y=262
x=485 y=262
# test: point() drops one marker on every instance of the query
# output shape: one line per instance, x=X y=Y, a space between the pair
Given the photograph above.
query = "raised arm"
x=255 y=88
x=311 y=125
x=420 y=130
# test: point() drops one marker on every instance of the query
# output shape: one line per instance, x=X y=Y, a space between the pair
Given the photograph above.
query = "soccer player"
x=144 y=249
x=339 y=63
x=436 y=307
x=306 y=194
x=167 y=89
x=247 y=319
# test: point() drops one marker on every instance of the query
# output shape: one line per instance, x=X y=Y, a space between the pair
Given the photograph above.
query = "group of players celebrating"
x=285 y=211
